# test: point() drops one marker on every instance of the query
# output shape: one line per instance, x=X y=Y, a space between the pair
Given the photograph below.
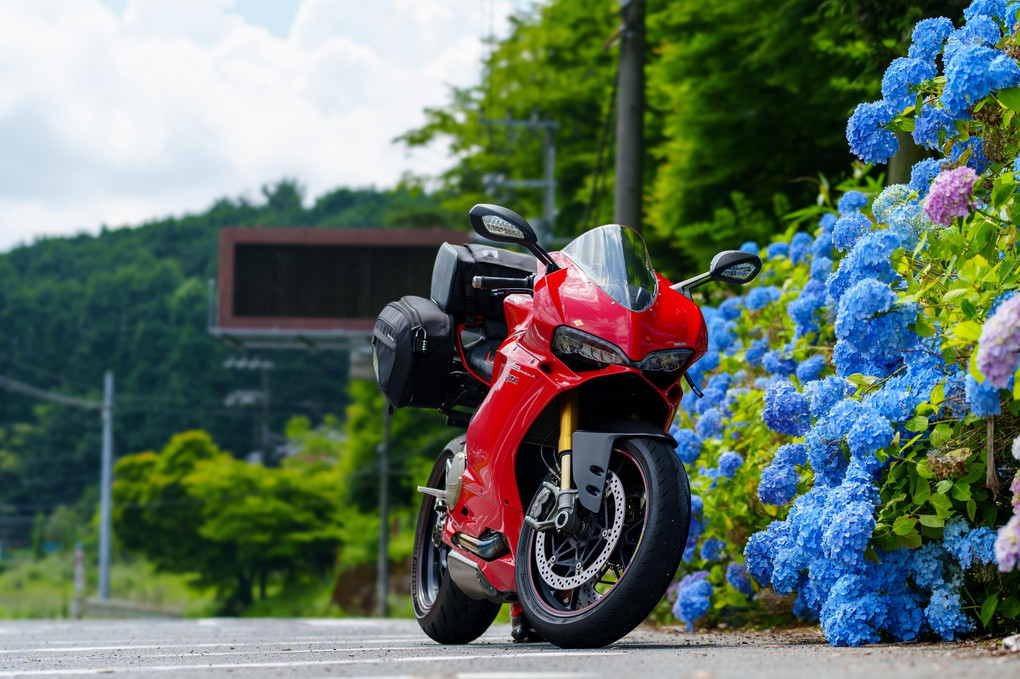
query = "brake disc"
x=553 y=549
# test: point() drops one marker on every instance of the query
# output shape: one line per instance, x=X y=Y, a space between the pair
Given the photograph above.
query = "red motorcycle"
x=565 y=498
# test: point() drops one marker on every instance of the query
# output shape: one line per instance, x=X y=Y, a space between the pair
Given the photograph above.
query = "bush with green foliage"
x=868 y=382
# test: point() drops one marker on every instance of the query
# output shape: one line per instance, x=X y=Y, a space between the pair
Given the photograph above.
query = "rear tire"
x=444 y=612
x=647 y=478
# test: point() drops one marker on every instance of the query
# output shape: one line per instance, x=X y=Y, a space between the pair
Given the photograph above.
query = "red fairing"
x=527 y=377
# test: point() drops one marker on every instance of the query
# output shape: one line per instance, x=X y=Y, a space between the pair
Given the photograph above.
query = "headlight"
x=569 y=342
x=668 y=361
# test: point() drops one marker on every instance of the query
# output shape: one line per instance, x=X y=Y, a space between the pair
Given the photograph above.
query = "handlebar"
x=500 y=282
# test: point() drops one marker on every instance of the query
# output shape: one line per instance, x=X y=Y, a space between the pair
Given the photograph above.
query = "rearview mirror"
x=500 y=224
x=734 y=266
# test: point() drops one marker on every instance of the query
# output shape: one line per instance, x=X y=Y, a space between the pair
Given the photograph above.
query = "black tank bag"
x=412 y=351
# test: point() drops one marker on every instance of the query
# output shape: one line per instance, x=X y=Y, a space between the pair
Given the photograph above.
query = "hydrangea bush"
x=853 y=454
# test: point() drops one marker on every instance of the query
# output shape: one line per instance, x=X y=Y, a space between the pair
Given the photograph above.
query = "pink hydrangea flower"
x=1007 y=544
x=949 y=196
x=997 y=355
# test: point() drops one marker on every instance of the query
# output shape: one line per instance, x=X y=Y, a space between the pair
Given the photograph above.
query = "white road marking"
x=68 y=671
x=331 y=649
x=335 y=644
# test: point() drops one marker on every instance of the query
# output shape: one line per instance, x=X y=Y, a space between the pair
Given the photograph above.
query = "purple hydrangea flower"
x=950 y=195
x=997 y=356
x=866 y=133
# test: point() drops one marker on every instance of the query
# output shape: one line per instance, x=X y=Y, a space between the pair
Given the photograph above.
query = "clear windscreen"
x=616 y=259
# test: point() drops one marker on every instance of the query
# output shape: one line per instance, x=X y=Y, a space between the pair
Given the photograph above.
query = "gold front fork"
x=569 y=411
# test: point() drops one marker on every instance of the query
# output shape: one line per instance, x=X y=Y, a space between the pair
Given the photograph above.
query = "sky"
x=115 y=112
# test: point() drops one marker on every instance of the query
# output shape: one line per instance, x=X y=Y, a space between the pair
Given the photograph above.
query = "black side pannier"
x=412 y=351
x=456 y=265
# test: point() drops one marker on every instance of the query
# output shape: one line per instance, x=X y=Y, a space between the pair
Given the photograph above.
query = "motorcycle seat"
x=479 y=356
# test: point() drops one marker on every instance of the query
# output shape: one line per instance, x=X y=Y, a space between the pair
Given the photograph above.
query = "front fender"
x=590 y=455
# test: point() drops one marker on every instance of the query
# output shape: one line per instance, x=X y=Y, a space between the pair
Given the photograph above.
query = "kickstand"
x=520 y=629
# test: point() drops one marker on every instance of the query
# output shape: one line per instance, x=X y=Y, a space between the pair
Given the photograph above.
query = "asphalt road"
x=396 y=648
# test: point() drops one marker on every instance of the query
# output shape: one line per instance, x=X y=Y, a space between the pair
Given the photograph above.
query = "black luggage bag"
x=456 y=265
x=412 y=351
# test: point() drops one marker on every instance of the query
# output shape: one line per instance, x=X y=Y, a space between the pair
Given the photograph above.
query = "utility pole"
x=250 y=397
x=382 y=585
x=548 y=182
x=106 y=481
x=630 y=112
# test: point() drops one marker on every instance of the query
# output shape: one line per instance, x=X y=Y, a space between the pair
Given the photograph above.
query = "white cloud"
x=117 y=119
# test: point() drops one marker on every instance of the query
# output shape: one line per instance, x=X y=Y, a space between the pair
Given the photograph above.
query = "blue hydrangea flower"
x=980 y=31
x=973 y=72
x=786 y=411
x=945 y=614
x=995 y=9
x=826 y=459
x=800 y=247
x=870 y=433
x=791 y=454
x=732 y=307
x=821 y=269
x=823 y=394
x=848 y=229
x=775 y=363
x=777 y=250
x=849 y=532
x=822 y=247
x=710 y=424
x=759 y=298
x=922 y=174
x=751 y=247
x=852 y=612
x=827 y=221
x=712 y=550
x=754 y=353
x=729 y=463
x=866 y=133
x=736 y=575
x=890 y=196
x=929 y=122
x=851 y=202
x=778 y=484
x=903 y=75
x=811 y=369
x=983 y=397
x=694 y=599
x=929 y=36
x=688 y=445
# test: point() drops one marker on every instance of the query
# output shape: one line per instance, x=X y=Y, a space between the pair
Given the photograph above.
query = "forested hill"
x=134 y=300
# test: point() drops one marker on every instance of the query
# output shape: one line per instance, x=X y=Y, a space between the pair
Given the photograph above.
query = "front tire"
x=444 y=612
x=589 y=591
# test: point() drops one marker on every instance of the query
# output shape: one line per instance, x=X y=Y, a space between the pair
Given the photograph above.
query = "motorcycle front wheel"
x=444 y=612
x=589 y=590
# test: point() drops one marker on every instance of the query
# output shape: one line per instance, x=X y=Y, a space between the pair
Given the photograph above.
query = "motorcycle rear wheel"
x=444 y=612
x=577 y=597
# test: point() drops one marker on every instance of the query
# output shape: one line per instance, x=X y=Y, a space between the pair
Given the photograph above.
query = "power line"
x=35 y=392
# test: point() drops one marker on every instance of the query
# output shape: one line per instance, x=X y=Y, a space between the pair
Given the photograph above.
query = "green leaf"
x=922 y=493
x=942 y=504
x=1003 y=190
x=931 y=521
x=1009 y=607
x=1010 y=98
x=904 y=525
x=968 y=331
x=971 y=510
x=917 y=423
x=943 y=486
x=938 y=395
x=909 y=541
x=924 y=470
x=988 y=609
